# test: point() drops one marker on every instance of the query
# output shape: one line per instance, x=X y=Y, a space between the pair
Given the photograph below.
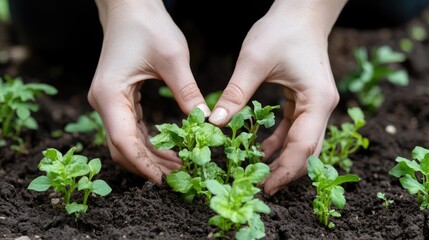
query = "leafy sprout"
x=68 y=173
x=414 y=174
x=328 y=189
x=365 y=80
x=89 y=122
x=386 y=201
x=17 y=102
x=341 y=143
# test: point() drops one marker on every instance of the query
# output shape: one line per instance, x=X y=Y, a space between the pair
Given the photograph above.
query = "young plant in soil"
x=386 y=201
x=370 y=71
x=341 y=143
x=17 y=101
x=414 y=174
x=68 y=172
x=328 y=190
x=234 y=188
x=89 y=122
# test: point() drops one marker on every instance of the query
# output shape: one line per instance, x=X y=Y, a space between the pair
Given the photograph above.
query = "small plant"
x=89 y=122
x=66 y=173
x=234 y=189
x=414 y=174
x=386 y=201
x=328 y=190
x=235 y=204
x=371 y=70
x=341 y=143
x=16 y=104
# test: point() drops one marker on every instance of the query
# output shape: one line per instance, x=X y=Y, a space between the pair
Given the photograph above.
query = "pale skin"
x=287 y=46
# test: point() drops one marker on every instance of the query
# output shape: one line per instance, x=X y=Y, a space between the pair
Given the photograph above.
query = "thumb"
x=243 y=84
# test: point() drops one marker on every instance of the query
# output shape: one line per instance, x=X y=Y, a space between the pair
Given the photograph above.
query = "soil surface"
x=138 y=209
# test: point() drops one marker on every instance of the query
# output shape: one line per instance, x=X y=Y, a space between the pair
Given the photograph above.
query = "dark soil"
x=138 y=209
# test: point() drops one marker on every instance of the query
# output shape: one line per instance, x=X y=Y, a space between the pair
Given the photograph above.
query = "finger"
x=303 y=139
x=180 y=80
x=119 y=117
x=276 y=141
x=247 y=77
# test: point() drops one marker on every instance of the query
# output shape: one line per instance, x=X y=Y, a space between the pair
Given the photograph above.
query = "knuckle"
x=189 y=92
x=234 y=94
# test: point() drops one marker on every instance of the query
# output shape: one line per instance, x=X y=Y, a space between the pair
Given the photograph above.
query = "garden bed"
x=138 y=209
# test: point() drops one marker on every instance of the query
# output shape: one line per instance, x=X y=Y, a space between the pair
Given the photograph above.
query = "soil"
x=139 y=209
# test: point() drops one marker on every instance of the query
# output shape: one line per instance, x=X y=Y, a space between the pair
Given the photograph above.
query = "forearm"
x=315 y=15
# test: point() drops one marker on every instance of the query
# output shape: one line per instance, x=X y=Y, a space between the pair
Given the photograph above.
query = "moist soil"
x=139 y=209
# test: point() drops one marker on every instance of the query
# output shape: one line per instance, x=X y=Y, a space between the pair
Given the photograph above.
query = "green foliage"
x=17 y=102
x=89 y=122
x=328 y=190
x=386 y=201
x=199 y=176
x=341 y=143
x=236 y=206
x=414 y=174
x=68 y=172
x=418 y=33
x=370 y=71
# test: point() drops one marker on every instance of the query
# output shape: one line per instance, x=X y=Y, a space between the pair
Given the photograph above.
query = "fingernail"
x=274 y=191
x=218 y=116
x=205 y=109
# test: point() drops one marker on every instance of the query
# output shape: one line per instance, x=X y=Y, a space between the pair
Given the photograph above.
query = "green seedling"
x=236 y=207
x=89 y=122
x=418 y=33
x=370 y=71
x=386 y=201
x=414 y=174
x=406 y=45
x=17 y=102
x=193 y=142
x=68 y=173
x=328 y=190
x=341 y=143
x=234 y=201
x=211 y=98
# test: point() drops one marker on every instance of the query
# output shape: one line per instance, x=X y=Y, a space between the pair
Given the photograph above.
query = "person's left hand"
x=288 y=46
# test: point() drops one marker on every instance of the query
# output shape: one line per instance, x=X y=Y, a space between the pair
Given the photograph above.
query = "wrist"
x=318 y=16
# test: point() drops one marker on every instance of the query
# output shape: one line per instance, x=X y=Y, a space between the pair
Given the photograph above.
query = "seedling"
x=234 y=201
x=371 y=70
x=341 y=143
x=66 y=173
x=236 y=206
x=328 y=190
x=386 y=201
x=17 y=102
x=414 y=174
x=193 y=141
x=89 y=122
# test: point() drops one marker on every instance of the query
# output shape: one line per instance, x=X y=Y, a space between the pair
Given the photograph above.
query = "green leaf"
x=84 y=124
x=237 y=122
x=315 y=167
x=77 y=169
x=30 y=123
x=411 y=184
x=84 y=183
x=257 y=172
x=22 y=112
x=385 y=54
x=330 y=172
x=357 y=115
x=217 y=188
x=399 y=77
x=76 y=208
x=212 y=98
x=101 y=188
x=179 y=181
x=95 y=166
x=164 y=91
x=48 y=89
x=258 y=206
x=337 y=197
x=419 y=153
x=401 y=169
x=52 y=154
x=196 y=116
x=201 y=156
x=40 y=184
x=345 y=178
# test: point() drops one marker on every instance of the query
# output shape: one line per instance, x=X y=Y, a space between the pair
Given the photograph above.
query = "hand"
x=288 y=46
x=141 y=42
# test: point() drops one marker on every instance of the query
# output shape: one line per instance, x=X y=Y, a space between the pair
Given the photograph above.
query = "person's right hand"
x=141 y=42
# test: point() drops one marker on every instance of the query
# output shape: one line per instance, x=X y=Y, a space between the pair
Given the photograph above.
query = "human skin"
x=287 y=46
